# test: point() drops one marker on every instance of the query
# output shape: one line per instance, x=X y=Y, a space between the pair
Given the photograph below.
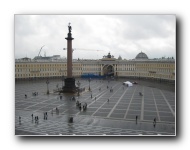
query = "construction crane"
x=40 y=50
x=83 y=49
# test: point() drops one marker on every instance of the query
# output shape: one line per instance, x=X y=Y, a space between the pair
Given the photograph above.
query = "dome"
x=141 y=55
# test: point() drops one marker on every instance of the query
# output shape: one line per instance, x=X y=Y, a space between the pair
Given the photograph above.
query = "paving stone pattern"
x=102 y=117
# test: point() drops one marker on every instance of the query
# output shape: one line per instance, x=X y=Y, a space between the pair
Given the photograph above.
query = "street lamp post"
x=47 y=82
x=89 y=84
x=78 y=83
x=62 y=78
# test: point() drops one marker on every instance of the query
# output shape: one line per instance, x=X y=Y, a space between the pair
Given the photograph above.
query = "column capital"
x=69 y=37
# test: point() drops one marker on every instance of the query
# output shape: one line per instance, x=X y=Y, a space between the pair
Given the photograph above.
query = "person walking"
x=19 y=119
x=37 y=119
x=136 y=119
x=111 y=90
x=154 y=122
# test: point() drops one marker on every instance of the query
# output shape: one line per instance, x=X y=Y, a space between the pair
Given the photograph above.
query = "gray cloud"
x=124 y=35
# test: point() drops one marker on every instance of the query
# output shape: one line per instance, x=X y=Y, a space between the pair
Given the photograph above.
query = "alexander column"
x=69 y=81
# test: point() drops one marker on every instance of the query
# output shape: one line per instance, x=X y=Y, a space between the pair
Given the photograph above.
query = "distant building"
x=54 y=57
x=139 y=67
x=141 y=56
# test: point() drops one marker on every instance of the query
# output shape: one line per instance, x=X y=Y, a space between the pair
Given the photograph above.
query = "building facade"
x=140 y=67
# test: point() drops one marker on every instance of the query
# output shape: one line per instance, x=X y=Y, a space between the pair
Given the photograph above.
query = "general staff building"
x=139 y=67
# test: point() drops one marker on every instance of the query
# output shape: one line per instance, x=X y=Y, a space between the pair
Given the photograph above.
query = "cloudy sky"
x=124 y=35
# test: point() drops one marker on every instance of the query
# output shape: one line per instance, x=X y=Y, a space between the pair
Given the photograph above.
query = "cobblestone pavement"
x=102 y=117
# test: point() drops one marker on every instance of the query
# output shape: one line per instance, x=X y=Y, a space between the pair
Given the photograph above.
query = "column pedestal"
x=70 y=86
